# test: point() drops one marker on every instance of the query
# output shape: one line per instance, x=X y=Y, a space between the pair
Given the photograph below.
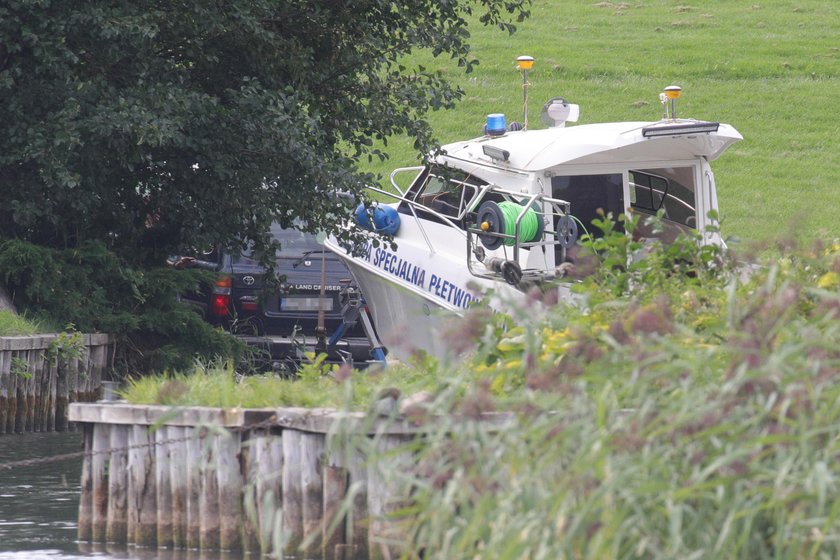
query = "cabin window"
x=445 y=191
x=669 y=189
x=587 y=194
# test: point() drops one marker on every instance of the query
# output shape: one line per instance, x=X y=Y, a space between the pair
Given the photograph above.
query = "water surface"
x=39 y=506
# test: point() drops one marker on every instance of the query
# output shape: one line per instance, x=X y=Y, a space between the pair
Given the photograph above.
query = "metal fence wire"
x=200 y=434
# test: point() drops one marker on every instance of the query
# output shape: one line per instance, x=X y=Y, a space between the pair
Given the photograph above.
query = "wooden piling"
x=248 y=458
x=85 y=525
x=292 y=491
x=5 y=360
x=142 y=507
x=208 y=499
x=386 y=496
x=99 y=474
x=62 y=396
x=194 y=460
x=72 y=373
x=26 y=394
x=118 y=473
x=95 y=362
x=163 y=488
x=11 y=415
x=336 y=483
x=356 y=526
x=312 y=491
x=229 y=479
x=267 y=477
x=39 y=383
x=53 y=375
x=178 y=472
x=20 y=408
x=28 y=385
x=41 y=393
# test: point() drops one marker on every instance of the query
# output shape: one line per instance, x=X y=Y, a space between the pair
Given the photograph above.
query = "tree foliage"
x=158 y=126
x=131 y=131
x=92 y=289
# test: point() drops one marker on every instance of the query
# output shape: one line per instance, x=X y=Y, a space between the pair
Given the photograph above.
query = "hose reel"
x=496 y=218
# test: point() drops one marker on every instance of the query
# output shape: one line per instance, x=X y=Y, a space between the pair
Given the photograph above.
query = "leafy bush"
x=96 y=291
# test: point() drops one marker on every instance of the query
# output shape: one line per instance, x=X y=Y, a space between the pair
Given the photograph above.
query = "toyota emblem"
x=248 y=280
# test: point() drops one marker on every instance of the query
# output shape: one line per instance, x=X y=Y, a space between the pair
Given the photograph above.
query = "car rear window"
x=293 y=243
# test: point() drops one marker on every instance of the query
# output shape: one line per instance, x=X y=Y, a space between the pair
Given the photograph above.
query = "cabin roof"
x=535 y=150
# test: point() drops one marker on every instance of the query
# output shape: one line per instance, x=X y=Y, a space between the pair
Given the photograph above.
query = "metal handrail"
x=537 y=201
x=411 y=205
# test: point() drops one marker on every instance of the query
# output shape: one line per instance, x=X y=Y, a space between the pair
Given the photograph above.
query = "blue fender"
x=386 y=219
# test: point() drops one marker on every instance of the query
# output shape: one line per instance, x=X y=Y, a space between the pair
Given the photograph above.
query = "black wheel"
x=567 y=231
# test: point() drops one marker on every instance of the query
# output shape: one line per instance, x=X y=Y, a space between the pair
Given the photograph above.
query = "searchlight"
x=556 y=112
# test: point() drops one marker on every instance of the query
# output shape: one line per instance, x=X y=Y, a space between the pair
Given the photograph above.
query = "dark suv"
x=281 y=316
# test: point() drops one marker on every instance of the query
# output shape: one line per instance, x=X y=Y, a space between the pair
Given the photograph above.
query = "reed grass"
x=690 y=409
x=695 y=416
x=316 y=386
x=12 y=324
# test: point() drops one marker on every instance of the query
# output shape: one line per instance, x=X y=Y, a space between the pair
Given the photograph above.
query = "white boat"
x=503 y=211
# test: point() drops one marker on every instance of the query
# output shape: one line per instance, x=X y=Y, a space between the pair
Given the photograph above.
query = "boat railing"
x=552 y=213
x=412 y=204
x=399 y=170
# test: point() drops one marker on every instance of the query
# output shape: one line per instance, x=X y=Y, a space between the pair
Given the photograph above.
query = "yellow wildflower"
x=829 y=281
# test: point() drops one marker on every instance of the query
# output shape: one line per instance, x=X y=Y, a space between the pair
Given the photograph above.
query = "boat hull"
x=406 y=322
x=414 y=293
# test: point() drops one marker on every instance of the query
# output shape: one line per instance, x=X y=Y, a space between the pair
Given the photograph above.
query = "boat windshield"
x=445 y=191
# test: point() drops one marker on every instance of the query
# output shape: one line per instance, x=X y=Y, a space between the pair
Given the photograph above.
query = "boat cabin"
x=571 y=175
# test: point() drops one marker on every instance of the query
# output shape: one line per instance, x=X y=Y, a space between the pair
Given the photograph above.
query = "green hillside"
x=768 y=68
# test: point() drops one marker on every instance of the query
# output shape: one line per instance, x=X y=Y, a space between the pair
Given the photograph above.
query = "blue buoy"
x=386 y=219
x=362 y=216
x=496 y=124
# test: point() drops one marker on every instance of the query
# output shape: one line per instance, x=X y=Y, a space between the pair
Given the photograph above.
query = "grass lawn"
x=768 y=68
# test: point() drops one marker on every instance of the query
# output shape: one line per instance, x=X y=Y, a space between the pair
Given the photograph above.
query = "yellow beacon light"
x=525 y=62
x=673 y=92
x=670 y=95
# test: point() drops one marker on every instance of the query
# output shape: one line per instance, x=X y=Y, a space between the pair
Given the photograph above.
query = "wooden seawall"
x=35 y=391
x=235 y=479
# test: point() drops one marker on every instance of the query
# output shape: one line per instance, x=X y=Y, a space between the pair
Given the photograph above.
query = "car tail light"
x=221 y=305
x=221 y=296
